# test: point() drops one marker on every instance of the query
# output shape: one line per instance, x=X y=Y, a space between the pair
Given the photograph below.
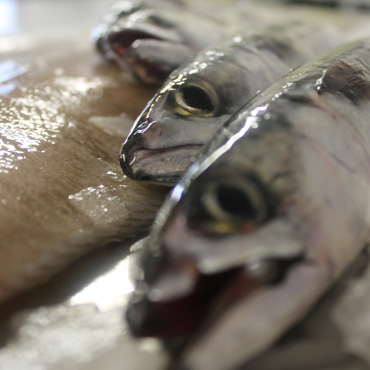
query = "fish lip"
x=149 y=68
x=122 y=46
x=147 y=71
x=195 y=310
x=133 y=170
x=121 y=41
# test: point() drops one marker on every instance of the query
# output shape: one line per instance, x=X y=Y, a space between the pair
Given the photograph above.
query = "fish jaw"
x=249 y=327
x=149 y=164
x=205 y=309
x=184 y=290
x=181 y=288
x=152 y=60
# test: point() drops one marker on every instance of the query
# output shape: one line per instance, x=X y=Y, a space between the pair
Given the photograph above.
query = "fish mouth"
x=164 y=166
x=182 y=300
x=120 y=42
x=149 y=315
x=139 y=49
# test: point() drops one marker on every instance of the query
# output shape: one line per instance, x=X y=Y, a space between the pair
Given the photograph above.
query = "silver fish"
x=200 y=97
x=274 y=210
x=359 y=4
x=152 y=38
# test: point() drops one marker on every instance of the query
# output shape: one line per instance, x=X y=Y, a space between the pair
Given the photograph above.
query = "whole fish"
x=152 y=38
x=199 y=98
x=263 y=223
x=62 y=192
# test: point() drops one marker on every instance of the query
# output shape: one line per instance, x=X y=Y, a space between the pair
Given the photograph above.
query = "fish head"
x=151 y=38
x=232 y=228
x=183 y=116
x=169 y=133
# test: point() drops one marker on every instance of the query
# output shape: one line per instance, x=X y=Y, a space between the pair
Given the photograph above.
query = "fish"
x=197 y=99
x=343 y=4
x=152 y=38
x=266 y=220
x=62 y=193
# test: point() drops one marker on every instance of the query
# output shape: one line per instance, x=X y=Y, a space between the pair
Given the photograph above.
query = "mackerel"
x=151 y=38
x=264 y=222
x=197 y=99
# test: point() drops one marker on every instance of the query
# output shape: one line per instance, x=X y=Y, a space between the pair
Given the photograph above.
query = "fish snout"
x=161 y=166
x=127 y=157
x=137 y=160
x=143 y=158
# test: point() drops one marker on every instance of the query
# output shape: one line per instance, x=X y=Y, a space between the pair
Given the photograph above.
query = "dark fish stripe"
x=347 y=81
x=329 y=4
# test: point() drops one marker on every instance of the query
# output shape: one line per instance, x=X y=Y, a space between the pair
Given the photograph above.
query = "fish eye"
x=235 y=203
x=195 y=99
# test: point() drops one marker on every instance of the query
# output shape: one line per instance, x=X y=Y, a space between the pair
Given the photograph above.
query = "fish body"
x=197 y=99
x=261 y=225
x=356 y=4
x=62 y=192
x=152 y=38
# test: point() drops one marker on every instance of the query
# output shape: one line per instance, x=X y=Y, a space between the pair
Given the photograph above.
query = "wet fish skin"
x=196 y=100
x=152 y=38
x=296 y=157
x=357 y=4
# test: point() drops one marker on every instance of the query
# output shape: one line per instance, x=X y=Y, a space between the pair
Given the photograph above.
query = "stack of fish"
x=267 y=136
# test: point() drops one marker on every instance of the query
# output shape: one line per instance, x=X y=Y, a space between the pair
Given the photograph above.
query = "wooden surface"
x=65 y=114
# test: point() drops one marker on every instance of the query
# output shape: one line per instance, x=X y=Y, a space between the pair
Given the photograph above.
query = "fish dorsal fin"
x=347 y=81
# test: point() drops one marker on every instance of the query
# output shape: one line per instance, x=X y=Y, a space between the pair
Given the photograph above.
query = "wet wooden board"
x=64 y=116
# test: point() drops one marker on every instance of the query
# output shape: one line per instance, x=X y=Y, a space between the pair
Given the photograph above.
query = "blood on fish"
x=121 y=41
x=181 y=316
